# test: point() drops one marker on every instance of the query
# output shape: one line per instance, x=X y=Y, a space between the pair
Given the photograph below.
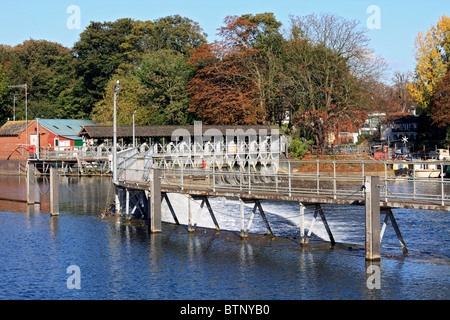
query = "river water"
x=119 y=259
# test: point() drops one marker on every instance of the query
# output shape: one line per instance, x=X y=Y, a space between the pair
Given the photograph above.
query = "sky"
x=392 y=24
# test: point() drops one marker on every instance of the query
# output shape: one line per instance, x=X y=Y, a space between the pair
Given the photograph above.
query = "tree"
x=347 y=38
x=432 y=56
x=5 y=109
x=319 y=89
x=166 y=76
x=440 y=106
x=178 y=34
x=400 y=93
x=329 y=73
x=110 y=48
x=35 y=62
x=131 y=96
x=239 y=72
x=99 y=54
x=222 y=91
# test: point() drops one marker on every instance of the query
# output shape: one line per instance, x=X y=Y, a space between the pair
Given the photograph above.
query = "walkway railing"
x=71 y=153
x=335 y=179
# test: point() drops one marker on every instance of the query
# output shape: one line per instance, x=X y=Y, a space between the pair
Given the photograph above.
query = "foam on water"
x=284 y=217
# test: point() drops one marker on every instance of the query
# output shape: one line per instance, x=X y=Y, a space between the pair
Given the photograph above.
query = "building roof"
x=14 y=128
x=164 y=131
x=67 y=128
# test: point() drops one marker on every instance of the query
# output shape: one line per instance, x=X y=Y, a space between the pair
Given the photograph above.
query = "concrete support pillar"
x=31 y=184
x=372 y=203
x=155 y=201
x=54 y=192
x=302 y=223
x=117 y=203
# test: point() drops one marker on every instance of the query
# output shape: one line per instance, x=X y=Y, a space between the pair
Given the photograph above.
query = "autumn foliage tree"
x=225 y=90
x=255 y=75
x=329 y=75
x=222 y=91
x=440 y=107
x=433 y=57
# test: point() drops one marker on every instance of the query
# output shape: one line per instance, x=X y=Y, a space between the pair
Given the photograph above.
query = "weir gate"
x=144 y=181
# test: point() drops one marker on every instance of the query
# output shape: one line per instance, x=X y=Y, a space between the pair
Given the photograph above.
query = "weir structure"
x=144 y=181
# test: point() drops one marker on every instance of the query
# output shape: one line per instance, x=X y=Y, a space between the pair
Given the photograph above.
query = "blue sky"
x=401 y=20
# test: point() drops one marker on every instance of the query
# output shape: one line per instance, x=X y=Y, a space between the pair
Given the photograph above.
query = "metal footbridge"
x=144 y=180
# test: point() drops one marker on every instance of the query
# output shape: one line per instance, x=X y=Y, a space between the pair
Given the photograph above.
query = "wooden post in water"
x=372 y=203
x=155 y=201
x=54 y=192
x=31 y=184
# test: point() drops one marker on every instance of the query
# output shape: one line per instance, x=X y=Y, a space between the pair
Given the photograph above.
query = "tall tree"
x=109 y=48
x=246 y=57
x=329 y=73
x=131 y=96
x=400 y=94
x=347 y=38
x=166 y=75
x=177 y=33
x=319 y=89
x=35 y=62
x=222 y=91
x=5 y=109
x=432 y=56
x=440 y=106
x=99 y=54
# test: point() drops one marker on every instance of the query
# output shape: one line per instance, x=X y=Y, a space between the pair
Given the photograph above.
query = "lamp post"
x=134 y=133
x=116 y=89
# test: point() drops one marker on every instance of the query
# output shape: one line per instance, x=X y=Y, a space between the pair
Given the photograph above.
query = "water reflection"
x=119 y=259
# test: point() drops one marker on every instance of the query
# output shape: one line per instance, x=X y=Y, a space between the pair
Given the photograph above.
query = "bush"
x=298 y=148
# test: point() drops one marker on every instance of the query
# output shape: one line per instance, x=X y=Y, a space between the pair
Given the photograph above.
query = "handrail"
x=332 y=178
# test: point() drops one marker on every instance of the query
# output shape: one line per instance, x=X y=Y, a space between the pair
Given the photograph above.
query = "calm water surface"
x=120 y=260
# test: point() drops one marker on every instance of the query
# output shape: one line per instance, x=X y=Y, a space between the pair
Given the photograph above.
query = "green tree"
x=5 y=106
x=157 y=90
x=110 y=48
x=166 y=76
x=177 y=33
x=35 y=63
x=133 y=95
x=100 y=54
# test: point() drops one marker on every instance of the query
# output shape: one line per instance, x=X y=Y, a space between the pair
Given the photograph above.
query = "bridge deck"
x=308 y=182
x=304 y=198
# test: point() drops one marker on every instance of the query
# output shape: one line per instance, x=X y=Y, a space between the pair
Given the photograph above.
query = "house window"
x=56 y=142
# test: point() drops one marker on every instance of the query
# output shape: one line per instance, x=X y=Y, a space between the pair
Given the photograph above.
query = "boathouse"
x=24 y=139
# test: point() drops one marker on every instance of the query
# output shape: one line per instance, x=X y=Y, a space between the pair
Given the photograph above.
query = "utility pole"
x=26 y=107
